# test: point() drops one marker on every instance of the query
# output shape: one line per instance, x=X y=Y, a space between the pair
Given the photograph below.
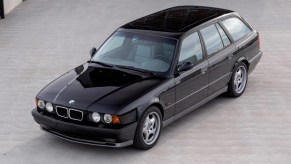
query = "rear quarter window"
x=237 y=28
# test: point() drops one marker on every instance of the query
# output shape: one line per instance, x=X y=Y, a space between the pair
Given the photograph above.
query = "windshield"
x=137 y=51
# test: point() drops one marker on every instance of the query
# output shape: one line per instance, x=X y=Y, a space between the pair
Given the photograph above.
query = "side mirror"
x=185 y=67
x=93 y=51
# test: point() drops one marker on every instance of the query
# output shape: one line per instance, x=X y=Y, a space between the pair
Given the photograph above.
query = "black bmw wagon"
x=149 y=73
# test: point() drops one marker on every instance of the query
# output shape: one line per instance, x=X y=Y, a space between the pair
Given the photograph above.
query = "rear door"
x=191 y=85
x=219 y=51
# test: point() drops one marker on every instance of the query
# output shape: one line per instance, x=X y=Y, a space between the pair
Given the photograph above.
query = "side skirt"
x=202 y=102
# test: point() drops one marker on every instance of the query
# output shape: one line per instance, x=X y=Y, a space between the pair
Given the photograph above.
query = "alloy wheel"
x=151 y=128
x=240 y=79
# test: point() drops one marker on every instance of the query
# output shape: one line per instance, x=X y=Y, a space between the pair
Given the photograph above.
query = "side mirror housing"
x=185 y=67
x=93 y=51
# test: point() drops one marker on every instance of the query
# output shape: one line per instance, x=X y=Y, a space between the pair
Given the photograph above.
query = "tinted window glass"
x=191 y=50
x=116 y=43
x=137 y=51
x=236 y=28
x=224 y=37
x=212 y=39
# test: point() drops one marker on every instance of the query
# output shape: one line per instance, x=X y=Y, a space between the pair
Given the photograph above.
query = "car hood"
x=97 y=89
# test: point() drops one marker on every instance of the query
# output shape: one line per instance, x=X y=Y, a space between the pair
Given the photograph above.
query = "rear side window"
x=224 y=37
x=211 y=39
x=236 y=28
x=191 y=50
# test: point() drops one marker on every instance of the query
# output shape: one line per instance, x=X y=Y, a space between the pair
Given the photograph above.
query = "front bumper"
x=86 y=134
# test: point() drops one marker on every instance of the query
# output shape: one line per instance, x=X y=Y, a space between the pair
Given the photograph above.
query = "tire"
x=238 y=81
x=145 y=136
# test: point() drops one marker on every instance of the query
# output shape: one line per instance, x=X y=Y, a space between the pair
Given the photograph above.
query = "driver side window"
x=191 y=50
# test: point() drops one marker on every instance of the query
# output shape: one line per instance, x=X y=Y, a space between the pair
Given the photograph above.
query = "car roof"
x=177 y=19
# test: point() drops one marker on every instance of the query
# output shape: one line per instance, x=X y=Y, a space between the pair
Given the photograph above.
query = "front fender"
x=160 y=96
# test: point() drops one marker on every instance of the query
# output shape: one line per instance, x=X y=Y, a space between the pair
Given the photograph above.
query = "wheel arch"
x=141 y=111
x=244 y=60
x=160 y=107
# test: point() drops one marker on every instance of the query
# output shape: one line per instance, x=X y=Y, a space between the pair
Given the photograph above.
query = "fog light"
x=107 y=118
x=41 y=104
x=96 y=117
x=49 y=107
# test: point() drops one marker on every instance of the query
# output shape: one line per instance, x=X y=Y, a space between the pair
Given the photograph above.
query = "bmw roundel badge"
x=71 y=101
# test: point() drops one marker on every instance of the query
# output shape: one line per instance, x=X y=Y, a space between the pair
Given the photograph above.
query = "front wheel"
x=148 y=129
x=238 y=81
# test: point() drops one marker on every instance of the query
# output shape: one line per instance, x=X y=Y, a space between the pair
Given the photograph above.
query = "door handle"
x=203 y=70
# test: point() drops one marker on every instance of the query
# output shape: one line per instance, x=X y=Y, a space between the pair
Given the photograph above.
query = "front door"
x=191 y=85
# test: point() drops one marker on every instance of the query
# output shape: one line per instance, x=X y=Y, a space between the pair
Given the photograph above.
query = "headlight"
x=96 y=117
x=49 y=107
x=107 y=118
x=41 y=104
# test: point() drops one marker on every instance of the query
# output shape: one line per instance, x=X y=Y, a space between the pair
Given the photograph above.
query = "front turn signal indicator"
x=115 y=119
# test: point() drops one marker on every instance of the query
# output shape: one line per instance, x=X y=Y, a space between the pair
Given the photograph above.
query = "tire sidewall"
x=138 y=139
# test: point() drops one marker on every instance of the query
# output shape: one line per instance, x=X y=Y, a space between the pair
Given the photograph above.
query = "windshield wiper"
x=136 y=69
x=100 y=63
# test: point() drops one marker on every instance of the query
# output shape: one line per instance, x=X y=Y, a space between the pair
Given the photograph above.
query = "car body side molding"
x=214 y=95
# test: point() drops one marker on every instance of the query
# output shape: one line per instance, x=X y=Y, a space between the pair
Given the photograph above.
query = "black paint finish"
x=2 y=13
x=97 y=89
x=177 y=19
x=191 y=87
x=122 y=92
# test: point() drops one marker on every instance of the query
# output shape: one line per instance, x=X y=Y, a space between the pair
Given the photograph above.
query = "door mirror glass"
x=93 y=51
x=185 y=66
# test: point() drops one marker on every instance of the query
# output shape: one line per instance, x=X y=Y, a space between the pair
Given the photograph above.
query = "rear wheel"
x=148 y=129
x=238 y=81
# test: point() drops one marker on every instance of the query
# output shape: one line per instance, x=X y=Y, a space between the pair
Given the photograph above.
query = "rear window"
x=236 y=28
